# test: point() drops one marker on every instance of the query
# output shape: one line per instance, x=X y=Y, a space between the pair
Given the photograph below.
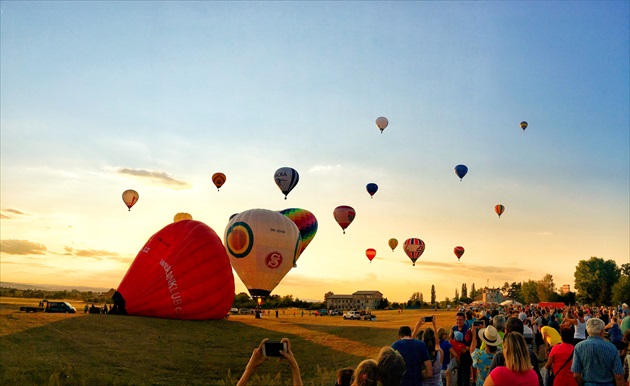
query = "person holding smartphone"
x=266 y=349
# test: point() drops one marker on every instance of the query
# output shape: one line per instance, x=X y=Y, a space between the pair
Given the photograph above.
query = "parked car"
x=333 y=313
x=323 y=312
x=352 y=315
x=63 y=307
x=233 y=310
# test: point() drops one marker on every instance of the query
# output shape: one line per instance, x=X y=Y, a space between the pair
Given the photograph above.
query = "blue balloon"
x=371 y=188
x=461 y=171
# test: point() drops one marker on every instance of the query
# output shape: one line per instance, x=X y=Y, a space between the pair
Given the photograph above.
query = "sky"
x=101 y=97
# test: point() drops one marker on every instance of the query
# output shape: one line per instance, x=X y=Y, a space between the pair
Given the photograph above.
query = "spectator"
x=390 y=367
x=435 y=353
x=561 y=358
x=482 y=359
x=518 y=368
x=258 y=359
x=596 y=361
x=580 y=326
x=344 y=377
x=514 y=325
x=415 y=354
x=448 y=351
x=614 y=335
x=458 y=349
x=465 y=361
x=366 y=373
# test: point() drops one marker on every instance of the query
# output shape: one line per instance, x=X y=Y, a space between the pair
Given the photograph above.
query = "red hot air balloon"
x=182 y=272
x=413 y=248
x=344 y=215
x=499 y=209
x=218 y=179
x=459 y=251
x=370 y=253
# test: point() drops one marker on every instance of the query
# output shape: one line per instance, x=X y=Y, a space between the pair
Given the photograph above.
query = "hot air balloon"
x=413 y=248
x=523 y=125
x=263 y=246
x=182 y=216
x=182 y=272
x=393 y=243
x=371 y=188
x=306 y=223
x=459 y=251
x=344 y=215
x=381 y=123
x=370 y=253
x=130 y=197
x=461 y=171
x=499 y=209
x=218 y=179
x=286 y=178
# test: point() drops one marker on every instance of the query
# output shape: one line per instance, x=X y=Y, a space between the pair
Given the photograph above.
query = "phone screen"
x=272 y=349
x=428 y=318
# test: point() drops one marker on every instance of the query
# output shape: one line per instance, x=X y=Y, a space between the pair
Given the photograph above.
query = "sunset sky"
x=100 y=97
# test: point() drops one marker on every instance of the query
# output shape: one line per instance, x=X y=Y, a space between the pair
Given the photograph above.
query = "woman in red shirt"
x=560 y=359
x=518 y=370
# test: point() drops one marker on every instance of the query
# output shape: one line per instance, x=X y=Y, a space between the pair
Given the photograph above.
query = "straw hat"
x=490 y=336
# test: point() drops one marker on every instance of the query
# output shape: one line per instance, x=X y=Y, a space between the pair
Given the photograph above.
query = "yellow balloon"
x=182 y=216
x=130 y=197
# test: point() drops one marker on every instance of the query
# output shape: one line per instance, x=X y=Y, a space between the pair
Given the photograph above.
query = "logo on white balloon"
x=273 y=260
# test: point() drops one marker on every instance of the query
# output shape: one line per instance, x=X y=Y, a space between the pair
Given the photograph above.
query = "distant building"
x=492 y=295
x=360 y=300
x=566 y=288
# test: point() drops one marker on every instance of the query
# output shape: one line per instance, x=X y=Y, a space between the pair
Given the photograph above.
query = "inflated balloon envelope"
x=263 y=246
x=182 y=272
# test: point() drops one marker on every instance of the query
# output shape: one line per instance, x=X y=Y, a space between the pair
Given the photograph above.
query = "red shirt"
x=502 y=376
x=458 y=347
x=559 y=354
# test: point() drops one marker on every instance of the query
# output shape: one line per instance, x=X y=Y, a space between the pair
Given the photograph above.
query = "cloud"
x=22 y=247
x=10 y=214
x=97 y=254
x=158 y=177
x=324 y=169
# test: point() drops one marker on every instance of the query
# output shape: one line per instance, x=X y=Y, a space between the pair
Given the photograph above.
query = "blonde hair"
x=441 y=332
x=390 y=367
x=516 y=353
x=366 y=373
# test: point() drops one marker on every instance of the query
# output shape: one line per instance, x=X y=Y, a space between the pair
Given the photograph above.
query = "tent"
x=510 y=302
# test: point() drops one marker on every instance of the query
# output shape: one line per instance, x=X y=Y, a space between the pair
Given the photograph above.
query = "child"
x=458 y=348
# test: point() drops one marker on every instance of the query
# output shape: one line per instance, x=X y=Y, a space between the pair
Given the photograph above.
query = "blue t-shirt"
x=415 y=353
x=446 y=346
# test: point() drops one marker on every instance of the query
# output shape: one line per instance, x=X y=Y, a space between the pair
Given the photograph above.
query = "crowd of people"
x=574 y=345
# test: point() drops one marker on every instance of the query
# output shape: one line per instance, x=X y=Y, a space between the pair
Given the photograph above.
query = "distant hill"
x=51 y=287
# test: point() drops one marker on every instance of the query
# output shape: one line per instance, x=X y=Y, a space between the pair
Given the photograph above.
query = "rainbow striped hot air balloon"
x=306 y=223
x=414 y=248
x=499 y=209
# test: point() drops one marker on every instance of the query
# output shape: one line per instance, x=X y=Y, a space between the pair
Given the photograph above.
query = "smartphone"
x=273 y=348
x=428 y=318
x=477 y=323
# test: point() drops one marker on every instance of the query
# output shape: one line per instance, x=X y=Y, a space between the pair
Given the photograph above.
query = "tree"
x=530 y=292
x=625 y=269
x=545 y=288
x=594 y=280
x=456 y=298
x=515 y=292
x=464 y=291
x=505 y=290
x=621 y=291
x=432 y=294
x=473 y=291
x=328 y=294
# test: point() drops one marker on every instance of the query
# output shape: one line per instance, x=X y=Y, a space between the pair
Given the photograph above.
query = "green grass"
x=60 y=349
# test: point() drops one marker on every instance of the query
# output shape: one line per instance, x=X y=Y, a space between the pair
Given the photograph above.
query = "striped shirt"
x=597 y=360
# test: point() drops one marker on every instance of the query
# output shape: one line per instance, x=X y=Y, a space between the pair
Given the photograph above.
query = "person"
x=448 y=351
x=85 y=309
x=518 y=369
x=550 y=336
x=553 y=322
x=366 y=373
x=614 y=335
x=344 y=377
x=390 y=367
x=625 y=322
x=579 y=324
x=482 y=359
x=435 y=353
x=514 y=325
x=415 y=354
x=458 y=349
x=258 y=359
x=560 y=359
x=626 y=362
x=498 y=322
x=463 y=372
x=596 y=361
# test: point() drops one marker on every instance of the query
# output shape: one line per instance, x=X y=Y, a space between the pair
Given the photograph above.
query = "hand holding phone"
x=428 y=318
x=273 y=348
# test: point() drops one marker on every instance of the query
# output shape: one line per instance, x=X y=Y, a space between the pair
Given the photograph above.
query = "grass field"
x=84 y=349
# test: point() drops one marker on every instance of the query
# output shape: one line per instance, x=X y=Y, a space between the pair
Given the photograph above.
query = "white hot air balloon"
x=263 y=246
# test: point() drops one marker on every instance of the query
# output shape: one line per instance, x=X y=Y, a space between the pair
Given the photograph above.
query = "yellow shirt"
x=550 y=335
